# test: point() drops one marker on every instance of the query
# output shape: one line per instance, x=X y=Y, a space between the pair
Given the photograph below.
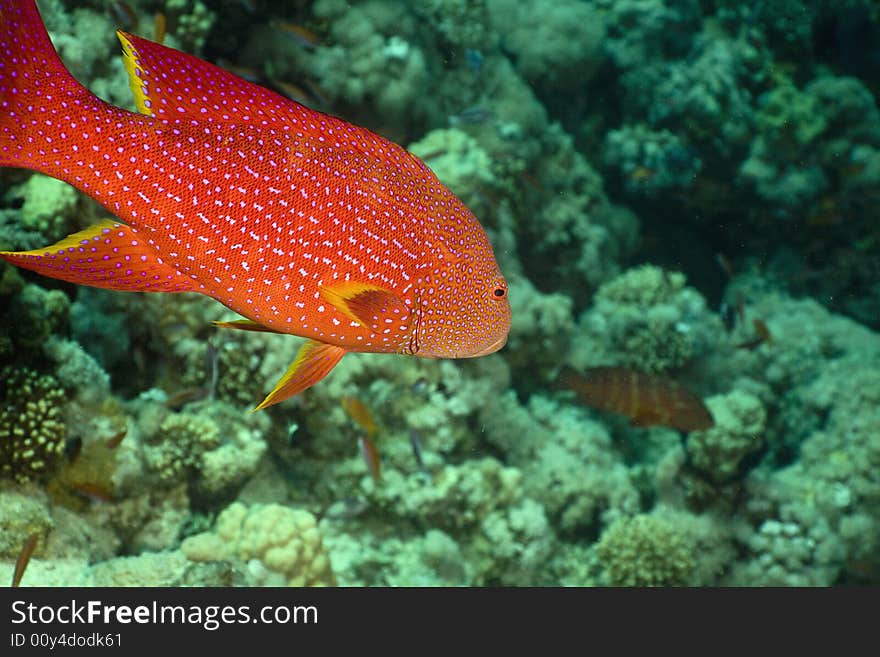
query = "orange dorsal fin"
x=109 y=255
x=369 y=305
x=313 y=362
x=244 y=325
x=170 y=84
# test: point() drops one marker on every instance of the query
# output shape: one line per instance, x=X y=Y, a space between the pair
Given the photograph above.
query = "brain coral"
x=278 y=542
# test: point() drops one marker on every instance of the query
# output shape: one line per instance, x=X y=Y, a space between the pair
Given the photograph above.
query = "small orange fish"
x=187 y=395
x=641 y=174
x=301 y=35
x=762 y=336
x=116 y=440
x=95 y=492
x=24 y=558
x=371 y=457
x=358 y=411
x=160 y=24
x=646 y=399
x=295 y=93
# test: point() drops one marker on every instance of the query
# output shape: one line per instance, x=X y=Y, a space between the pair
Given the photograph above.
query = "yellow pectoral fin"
x=244 y=325
x=313 y=362
x=367 y=304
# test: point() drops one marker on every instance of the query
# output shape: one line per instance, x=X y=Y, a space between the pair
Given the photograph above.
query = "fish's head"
x=463 y=311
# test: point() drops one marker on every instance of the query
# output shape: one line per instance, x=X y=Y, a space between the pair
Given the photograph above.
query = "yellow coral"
x=283 y=540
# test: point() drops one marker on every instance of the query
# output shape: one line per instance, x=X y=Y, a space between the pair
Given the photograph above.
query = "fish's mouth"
x=492 y=348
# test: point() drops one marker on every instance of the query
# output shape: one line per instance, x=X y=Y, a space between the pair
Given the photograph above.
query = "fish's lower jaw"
x=491 y=349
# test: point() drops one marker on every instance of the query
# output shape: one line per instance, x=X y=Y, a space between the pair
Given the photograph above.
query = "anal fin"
x=244 y=325
x=313 y=362
x=109 y=255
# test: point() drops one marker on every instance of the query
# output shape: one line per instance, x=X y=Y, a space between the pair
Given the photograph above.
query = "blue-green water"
x=687 y=189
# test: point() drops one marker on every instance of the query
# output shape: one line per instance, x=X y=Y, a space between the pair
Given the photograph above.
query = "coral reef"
x=659 y=180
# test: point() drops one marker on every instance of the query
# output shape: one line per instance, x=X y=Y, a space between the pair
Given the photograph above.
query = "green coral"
x=459 y=497
x=38 y=313
x=459 y=162
x=461 y=22
x=740 y=421
x=788 y=116
x=213 y=448
x=49 y=205
x=646 y=550
x=21 y=515
x=646 y=318
x=32 y=428
x=179 y=444
x=664 y=548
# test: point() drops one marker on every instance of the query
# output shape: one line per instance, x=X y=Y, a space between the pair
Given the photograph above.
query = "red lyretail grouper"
x=296 y=220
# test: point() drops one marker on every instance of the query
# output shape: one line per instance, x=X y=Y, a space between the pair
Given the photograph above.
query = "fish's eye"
x=500 y=292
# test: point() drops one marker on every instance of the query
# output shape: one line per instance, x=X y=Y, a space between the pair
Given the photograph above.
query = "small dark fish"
x=73 y=448
x=740 y=307
x=186 y=396
x=471 y=116
x=725 y=264
x=646 y=399
x=24 y=558
x=728 y=316
x=474 y=59
x=434 y=154
x=294 y=93
x=92 y=491
x=212 y=359
x=371 y=458
x=301 y=35
x=358 y=411
x=762 y=330
x=123 y=16
x=416 y=445
x=420 y=386
x=350 y=507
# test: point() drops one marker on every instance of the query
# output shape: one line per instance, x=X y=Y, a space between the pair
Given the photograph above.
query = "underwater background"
x=683 y=188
